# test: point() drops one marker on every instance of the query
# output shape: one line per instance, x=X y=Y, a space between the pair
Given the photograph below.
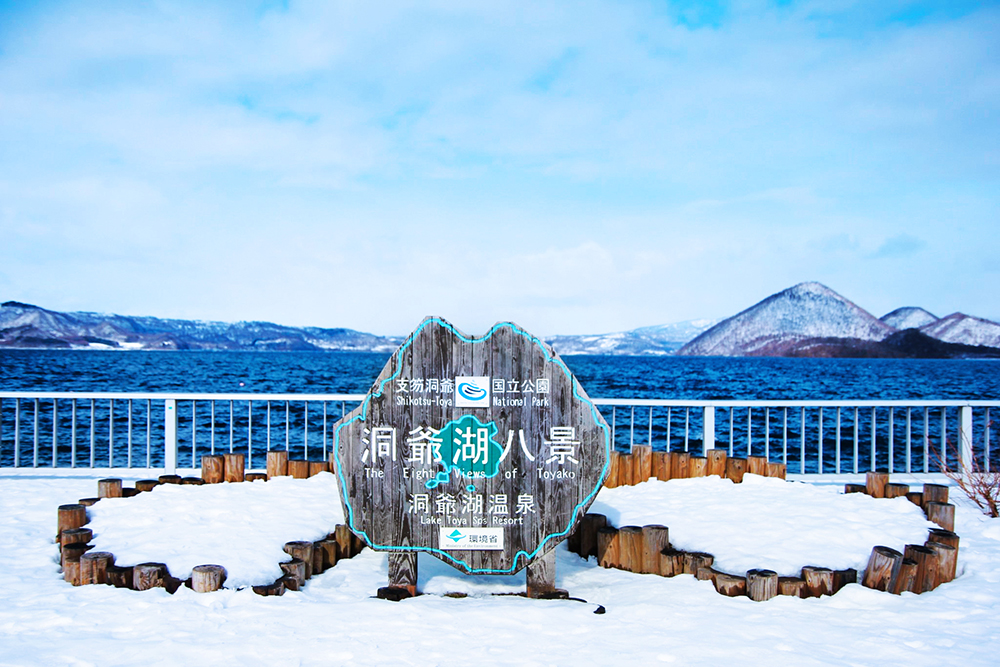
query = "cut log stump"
x=855 y=488
x=671 y=562
x=109 y=488
x=894 y=490
x=630 y=548
x=213 y=468
x=762 y=585
x=907 y=579
x=303 y=550
x=94 y=567
x=147 y=484
x=298 y=468
x=735 y=469
x=875 y=484
x=792 y=586
x=927 y=567
x=943 y=514
x=942 y=536
x=716 y=464
x=149 y=575
x=819 y=581
x=235 y=467
x=589 y=525
x=607 y=547
x=730 y=585
x=295 y=568
x=70 y=516
x=935 y=493
x=277 y=464
x=207 y=578
x=655 y=538
x=883 y=569
x=120 y=576
x=947 y=561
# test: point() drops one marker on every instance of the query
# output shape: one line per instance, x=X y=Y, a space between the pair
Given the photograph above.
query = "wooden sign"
x=481 y=451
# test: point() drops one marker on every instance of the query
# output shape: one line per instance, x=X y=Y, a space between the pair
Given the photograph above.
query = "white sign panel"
x=460 y=538
x=472 y=392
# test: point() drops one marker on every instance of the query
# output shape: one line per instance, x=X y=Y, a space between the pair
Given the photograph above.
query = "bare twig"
x=982 y=488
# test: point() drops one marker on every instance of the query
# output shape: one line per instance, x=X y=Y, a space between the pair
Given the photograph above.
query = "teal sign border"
x=364 y=411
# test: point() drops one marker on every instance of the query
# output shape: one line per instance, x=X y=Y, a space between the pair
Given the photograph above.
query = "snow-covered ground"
x=335 y=620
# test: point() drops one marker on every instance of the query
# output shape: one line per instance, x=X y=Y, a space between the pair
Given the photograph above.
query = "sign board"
x=481 y=451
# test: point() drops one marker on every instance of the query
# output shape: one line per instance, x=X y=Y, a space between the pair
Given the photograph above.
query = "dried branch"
x=982 y=488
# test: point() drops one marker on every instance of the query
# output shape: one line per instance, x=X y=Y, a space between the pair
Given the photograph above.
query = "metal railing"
x=61 y=431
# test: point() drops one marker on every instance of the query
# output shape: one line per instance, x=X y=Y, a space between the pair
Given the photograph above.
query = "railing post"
x=966 y=458
x=708 y=429
x=170 y=436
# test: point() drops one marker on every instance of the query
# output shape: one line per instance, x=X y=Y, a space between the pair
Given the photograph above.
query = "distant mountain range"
x=811 y=320
x=25 y=326
x=807 y=320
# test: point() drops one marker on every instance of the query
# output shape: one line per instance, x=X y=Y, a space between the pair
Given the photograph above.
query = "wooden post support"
x=671 y=562
x=277 y=588
x=587 y=529
x=935 y=493
x=109 y=488
x=661 y=466
x=213 y=468
x=298 y=468
x=757 y=465
x=697 y=466
x=149 y=575
x=883 y=569
x=942 y=536
x=819 y=581
x=70 y=516
x=731 y=585
x=296 y=569
x=630 y=548
x=607 y=546
x=778 y=470
x=792 y=586
x=277 y=464
x=762 y=585
x=927 y=567
x=541 y=575
x=716 y=462
x=73 y=535
x=855 y=488
x=94 y=567
x=907 y=579
x=875 y=484
x=894 y=490
x=642 y=462
x=735 y=469
x=120 y=576
x=403 y=571
x=303 y=550
x=680 y=463
x=655 y=539
x=943 y=514
x=207 y=578
x=147 y=484
x=169 y=479
x=916 y=497
x=947 y=561
x=235 y=465
x=695 y=560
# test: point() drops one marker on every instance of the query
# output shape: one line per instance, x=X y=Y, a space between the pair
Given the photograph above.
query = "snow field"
x=334 y=620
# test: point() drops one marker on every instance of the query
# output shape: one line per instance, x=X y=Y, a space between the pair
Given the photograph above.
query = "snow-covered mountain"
x=26 y=326
x=964 y=329
x=777 y=324
x=655 y=340
x=908 y=317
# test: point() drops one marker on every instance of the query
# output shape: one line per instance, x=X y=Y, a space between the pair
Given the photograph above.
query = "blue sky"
x=575 y=167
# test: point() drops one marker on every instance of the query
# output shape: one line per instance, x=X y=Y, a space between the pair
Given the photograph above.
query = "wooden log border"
x=940 y=550
x=323 y=554
x=642 y=464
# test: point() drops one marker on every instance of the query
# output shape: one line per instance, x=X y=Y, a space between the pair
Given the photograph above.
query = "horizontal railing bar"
x=184 y=397
x=644 y=402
